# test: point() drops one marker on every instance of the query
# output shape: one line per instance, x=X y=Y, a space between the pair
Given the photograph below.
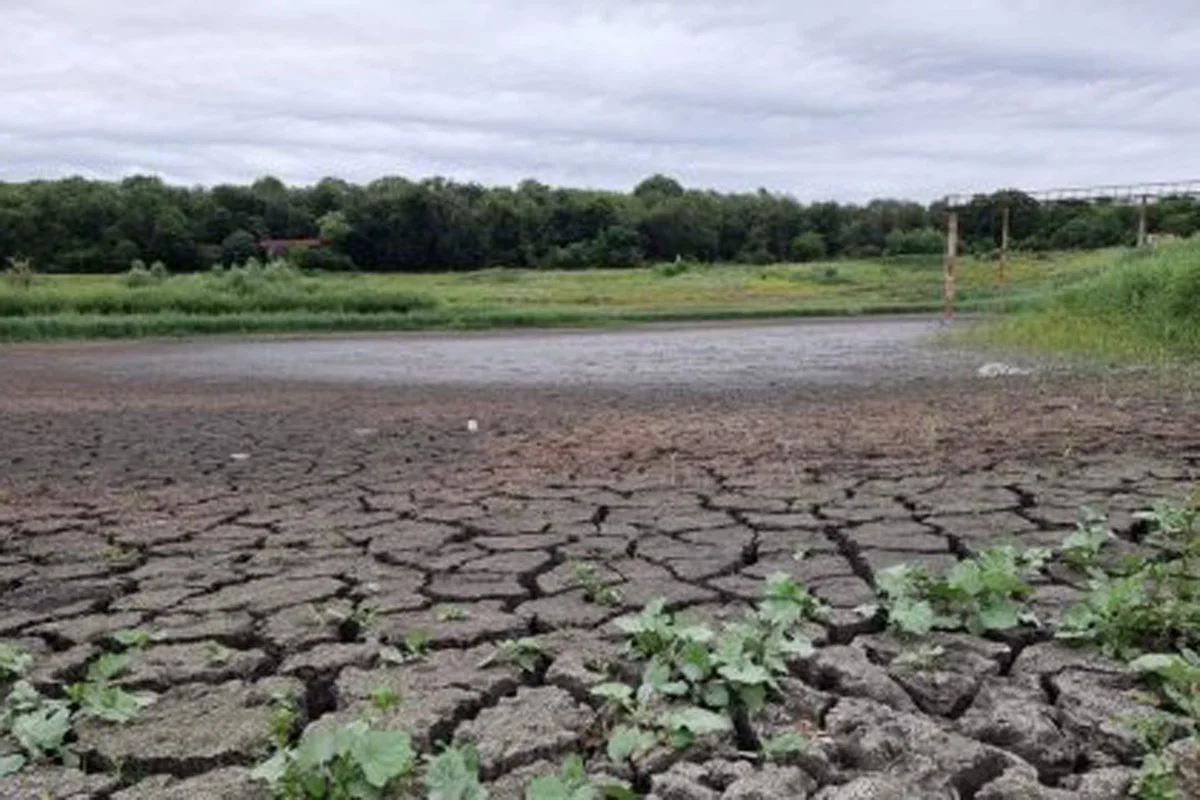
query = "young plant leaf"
x=384 y=756
x=628 y=742
x=11 y=764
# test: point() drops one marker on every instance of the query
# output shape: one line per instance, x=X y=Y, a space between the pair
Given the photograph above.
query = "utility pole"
x=951 y=265
x=1143 y=230
x=1005 y=221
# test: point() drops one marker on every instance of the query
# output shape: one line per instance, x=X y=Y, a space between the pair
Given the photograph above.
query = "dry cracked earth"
x=235 y=518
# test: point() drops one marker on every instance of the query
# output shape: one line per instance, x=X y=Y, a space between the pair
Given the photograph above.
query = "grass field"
x=1145 y=307
x=280 y=300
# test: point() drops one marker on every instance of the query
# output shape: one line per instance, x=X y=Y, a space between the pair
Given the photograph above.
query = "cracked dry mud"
x=122 y=507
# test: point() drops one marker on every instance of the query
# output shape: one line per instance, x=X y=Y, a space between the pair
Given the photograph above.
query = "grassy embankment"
x=1145 y=307
x=271 y=300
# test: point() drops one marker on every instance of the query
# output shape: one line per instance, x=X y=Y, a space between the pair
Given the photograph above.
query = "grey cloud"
x=821 y=100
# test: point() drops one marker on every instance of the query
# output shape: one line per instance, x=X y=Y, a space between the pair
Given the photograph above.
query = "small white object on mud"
x=240 y=457
x=998 y=369
x=472 y=425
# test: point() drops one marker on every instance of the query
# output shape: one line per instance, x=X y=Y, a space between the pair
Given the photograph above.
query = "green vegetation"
x=39 y=727
x=394 y=224
x=595 y=588
x=573 y=783
x=698 y=681
x=279 y=298
x=978 y=594
x=356 y=762
x=524 y=654
x=1147 y=611
x=1142 y=610
x=414 y=646
x=453 y=774
x=1145 y=307
x=448 y=612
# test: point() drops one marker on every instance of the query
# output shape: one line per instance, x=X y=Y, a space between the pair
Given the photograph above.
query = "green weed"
x=454 y=775
x=524 y=654
x=981 y=594
x=14 y=662
x=573 y=783
x=355 y=762
x=785 y=746
x=448 y=612
x=1145 y=306
x=385 y=699
x=698 y=681
x=41 y=727
x=1082 y=547
x=595 y=589
x=413 y=647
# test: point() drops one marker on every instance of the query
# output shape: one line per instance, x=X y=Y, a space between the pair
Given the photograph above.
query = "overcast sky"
x=843 y=100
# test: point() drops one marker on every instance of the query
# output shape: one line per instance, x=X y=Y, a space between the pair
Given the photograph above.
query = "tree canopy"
x=396 y=224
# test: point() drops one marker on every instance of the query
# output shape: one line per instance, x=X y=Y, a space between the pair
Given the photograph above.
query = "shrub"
x=807 y=247
x=321 y=259
x=20 y=272
x=140 y=275
x=673 y=269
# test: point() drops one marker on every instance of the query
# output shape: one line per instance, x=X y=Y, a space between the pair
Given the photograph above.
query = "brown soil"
x=227 y=511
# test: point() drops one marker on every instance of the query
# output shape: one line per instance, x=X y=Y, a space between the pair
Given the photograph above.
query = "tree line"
x=395 y=224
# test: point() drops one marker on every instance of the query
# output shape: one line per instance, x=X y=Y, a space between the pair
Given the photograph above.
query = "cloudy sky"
x=843 y=100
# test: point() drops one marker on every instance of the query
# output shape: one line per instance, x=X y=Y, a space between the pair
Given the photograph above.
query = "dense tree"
x=394 y=223
x=808 y=247
x=238 y=247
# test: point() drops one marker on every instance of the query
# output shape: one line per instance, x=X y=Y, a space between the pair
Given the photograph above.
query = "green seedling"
x=350 y=763
x=683 y=726
x=1158 y=773
x=217 y=654
x=118 y=556
x=922 y=658
x=785 y=602
x=454 y=775
x=524 y=654
x=103 y=701
x=709 y=681
x=1177 y=676
x=1154 y=609
x=981 y=594
x=595 y=589
x=11 y=764
x=385 y=699
x=1174 y=527
x=414 y=647
x=14 y=662
x=449 y=613
x=785 y=746
x=629 y=743
x=135 y=639
x=573 y=783
x=107 y=666
x=283 y=718
x=1091 y=534
x=416 y=642
x=41 y=727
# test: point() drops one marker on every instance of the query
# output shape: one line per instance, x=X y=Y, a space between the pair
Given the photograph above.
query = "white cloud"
x=844 y=100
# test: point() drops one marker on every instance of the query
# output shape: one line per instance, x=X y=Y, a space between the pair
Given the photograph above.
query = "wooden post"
x=1005 y=221
x=951 y=265
x=1143 y=231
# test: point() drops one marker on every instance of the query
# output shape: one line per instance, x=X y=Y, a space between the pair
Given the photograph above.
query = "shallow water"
x=717 y=356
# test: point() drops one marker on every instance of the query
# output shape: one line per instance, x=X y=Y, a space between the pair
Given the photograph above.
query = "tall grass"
x=1146 y=306
x=275 y=297
x=250 y=289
